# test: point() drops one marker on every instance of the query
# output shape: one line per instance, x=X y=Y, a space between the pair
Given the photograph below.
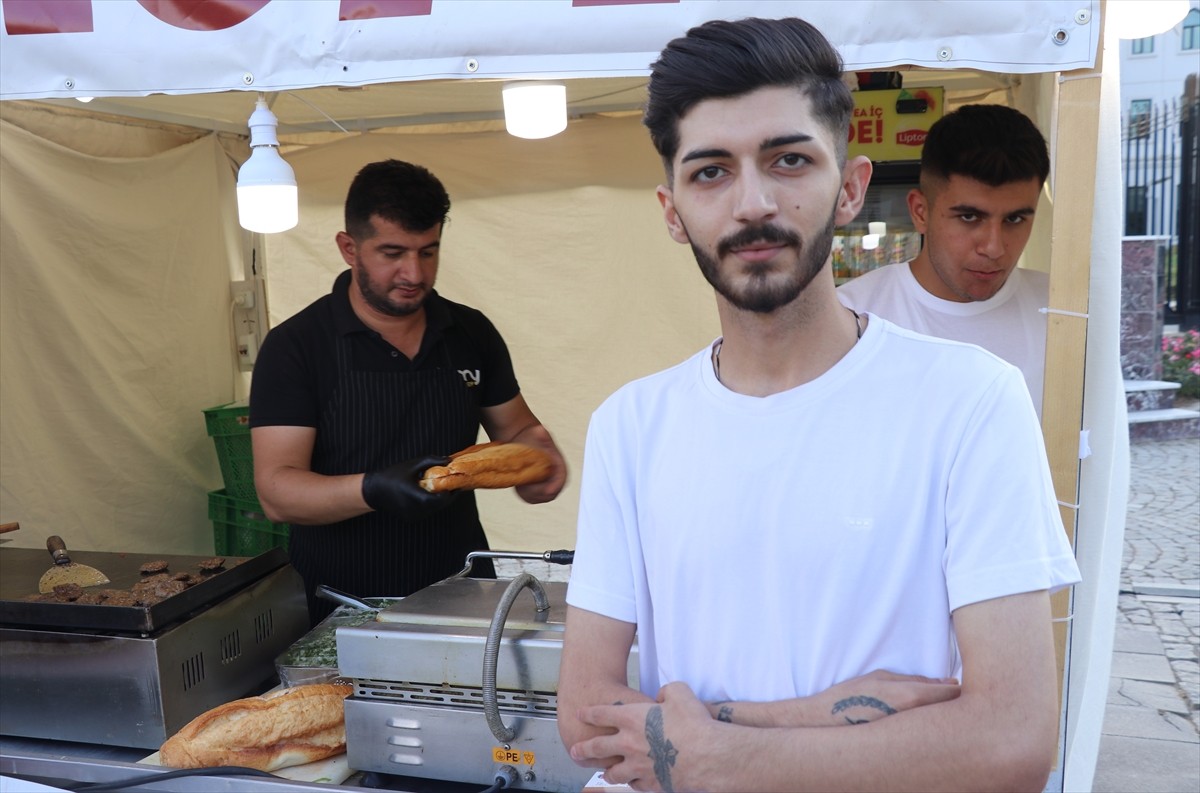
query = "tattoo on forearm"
x=662 y=752
x=724 y=710
x=861 y=702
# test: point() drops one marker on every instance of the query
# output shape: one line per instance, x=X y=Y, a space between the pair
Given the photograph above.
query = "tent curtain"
x=120 y=337
x=114 y=303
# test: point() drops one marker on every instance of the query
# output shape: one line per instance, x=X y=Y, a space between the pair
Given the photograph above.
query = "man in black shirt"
x=357 y=394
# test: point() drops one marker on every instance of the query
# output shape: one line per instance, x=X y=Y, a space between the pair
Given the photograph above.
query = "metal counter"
x=59 y=763
x=63 y=764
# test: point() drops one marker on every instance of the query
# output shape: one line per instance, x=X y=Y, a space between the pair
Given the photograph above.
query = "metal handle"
x=329 y=593
x=57 y=549
x=550 y=557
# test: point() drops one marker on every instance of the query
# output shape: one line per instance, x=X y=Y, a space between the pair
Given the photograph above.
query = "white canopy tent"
x=118 y=234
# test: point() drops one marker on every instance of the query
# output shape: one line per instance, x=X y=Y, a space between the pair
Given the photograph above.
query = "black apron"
x=375 y=419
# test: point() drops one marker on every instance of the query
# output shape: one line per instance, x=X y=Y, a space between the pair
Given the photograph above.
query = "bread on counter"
x=288 y=727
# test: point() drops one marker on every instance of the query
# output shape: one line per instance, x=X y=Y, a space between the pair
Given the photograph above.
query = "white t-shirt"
x=768 y=548
x=1010 y=323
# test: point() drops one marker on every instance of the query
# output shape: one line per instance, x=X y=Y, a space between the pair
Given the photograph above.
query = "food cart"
x=119 y=238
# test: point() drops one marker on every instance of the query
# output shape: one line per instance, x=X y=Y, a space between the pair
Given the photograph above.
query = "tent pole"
x=1076 y=142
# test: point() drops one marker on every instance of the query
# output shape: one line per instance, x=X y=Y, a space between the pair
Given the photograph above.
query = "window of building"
x=1142 y=46
x=1135 y=211
x=1139 y=118
x=1191 y=30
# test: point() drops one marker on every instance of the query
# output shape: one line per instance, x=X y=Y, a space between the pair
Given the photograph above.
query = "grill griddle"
x=21 y=568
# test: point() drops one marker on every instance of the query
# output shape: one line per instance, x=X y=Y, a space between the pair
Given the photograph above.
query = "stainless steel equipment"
x=423 y=705
x=134 y=675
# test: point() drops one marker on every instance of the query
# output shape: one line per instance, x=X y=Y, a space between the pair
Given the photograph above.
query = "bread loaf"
x=292 y=726
x=489 y=465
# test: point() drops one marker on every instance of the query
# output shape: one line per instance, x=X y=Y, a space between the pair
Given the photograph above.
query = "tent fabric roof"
x=429 y=61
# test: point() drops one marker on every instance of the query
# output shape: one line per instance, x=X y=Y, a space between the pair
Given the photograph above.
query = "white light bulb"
x=535 y=109
x=268 y=209
x=266 y=188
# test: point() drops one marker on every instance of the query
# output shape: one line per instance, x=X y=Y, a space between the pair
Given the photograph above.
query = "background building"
x=1159 y=148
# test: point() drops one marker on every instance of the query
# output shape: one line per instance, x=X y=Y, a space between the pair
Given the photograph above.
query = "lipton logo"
x=911 y=137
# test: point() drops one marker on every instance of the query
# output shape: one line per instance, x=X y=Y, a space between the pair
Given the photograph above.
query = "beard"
x=763 y=294
x=376 y=296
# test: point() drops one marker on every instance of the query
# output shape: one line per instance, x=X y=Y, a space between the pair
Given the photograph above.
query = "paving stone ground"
x=1150 y=741
x=1160 y=577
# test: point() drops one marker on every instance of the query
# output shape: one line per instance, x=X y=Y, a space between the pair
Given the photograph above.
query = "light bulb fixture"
x=266 y=186
x=1138 y=19
x=535 y=109
x=84 y=99
x=877 y=227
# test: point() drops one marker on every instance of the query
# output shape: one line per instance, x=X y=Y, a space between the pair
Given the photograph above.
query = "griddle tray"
x=21 y=568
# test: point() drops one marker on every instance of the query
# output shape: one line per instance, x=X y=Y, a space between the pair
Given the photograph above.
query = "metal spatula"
x=65 y=571
x=329 y=593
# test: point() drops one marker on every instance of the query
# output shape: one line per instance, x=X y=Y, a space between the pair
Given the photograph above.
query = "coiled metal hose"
x=491 y=650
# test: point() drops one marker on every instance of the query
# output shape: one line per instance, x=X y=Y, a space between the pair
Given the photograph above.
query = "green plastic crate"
x=240 y=528
x=229 y=427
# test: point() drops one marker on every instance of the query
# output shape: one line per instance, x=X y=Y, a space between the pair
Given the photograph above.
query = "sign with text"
x=892 y=124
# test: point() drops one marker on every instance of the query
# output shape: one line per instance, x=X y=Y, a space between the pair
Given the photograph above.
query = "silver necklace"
x=858 y=332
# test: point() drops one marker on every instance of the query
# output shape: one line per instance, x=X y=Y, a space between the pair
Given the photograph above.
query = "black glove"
x=395 y=489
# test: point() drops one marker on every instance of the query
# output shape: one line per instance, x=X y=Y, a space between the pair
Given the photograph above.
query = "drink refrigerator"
x=889 y=126
x=883 y=233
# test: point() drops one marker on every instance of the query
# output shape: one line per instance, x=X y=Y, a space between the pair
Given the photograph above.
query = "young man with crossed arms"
x=820 y=522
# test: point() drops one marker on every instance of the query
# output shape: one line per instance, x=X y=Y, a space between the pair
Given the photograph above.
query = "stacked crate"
x=240 y=527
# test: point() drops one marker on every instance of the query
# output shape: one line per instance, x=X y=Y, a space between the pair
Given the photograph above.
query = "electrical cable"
x=145 y=779
x=506 y=776
x=234 y=378
x=332 y=120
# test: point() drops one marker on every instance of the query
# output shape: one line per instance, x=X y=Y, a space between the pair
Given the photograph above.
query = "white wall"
x=1157 y=76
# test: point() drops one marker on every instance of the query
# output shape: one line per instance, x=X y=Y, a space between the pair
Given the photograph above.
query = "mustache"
x=751 y=235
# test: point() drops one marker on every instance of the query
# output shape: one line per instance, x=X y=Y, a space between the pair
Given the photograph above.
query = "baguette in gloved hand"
x=395 y=490
x=292 y=726
x=489 y=465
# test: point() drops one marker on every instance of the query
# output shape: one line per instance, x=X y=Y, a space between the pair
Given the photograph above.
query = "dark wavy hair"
x=396 y=191
x=992 y=144
x=722 y=59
